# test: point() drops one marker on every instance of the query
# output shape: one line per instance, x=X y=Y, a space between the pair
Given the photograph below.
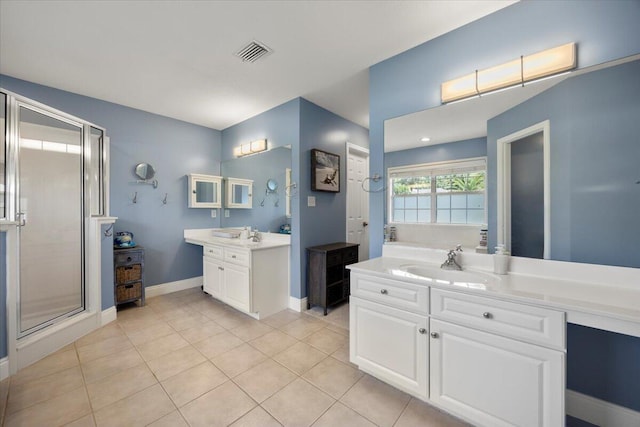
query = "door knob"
x=384 y=291
x=422 y=330
x=487 y=315
x=365 y=223
x=434 y=335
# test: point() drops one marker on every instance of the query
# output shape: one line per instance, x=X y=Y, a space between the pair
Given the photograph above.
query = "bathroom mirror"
x=272 y=185
x=260 y=168
x=594 y=155
x=145 y=171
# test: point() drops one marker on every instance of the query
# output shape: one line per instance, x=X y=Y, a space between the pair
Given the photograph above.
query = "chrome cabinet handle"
x=384 y=291
x=422 y=331
x=233 y=256
x=220 y=268
x=487 y=315
x=434 y=335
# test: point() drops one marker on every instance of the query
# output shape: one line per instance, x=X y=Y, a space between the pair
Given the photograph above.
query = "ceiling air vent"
x=253 y=51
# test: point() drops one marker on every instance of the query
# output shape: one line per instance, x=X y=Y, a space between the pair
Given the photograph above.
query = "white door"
x=390 y=344
x=357 y=199
x=213 y=272
x=237 y=287
x=495 y=381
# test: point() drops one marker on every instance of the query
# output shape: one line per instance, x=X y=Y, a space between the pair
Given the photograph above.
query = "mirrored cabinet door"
x=239 y=193
x=204 y=191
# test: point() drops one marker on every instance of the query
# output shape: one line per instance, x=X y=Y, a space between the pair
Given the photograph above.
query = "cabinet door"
x=495 y=381
x=204 y=191
x=237 y=287
x=213 y=280
x=390 y=344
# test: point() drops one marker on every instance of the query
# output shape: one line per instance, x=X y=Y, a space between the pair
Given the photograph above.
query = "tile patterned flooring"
x=187 y=360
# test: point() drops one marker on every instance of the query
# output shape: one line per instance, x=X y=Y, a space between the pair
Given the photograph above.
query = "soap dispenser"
x=501 y=260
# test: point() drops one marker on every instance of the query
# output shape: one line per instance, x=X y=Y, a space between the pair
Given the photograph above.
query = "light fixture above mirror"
x=252 y=147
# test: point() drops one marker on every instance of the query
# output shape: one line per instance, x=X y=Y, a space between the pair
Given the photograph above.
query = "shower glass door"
x=51 y=217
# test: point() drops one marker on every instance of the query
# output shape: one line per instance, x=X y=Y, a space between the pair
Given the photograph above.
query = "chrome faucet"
x=255 y=236
x=451 y=263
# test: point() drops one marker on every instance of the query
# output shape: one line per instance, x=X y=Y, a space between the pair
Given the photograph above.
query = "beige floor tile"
x=219 y=407
x=86 y=421
x=108 y=331
x=273 y=342
x=161 y=346
x=298 y=404
x=232 y=319
x=104 y=348
x=333 y=377
x=257 y=417
x=172 y=312
x=49 y=365
x=422 y=414
x=141 y=336
x=326 y=340
x=339 y=329
x=193 y=383
x=342 y=354
x=26 y=394
x=53 y=412
x=302 y=327
x=218 y=344
x=192 y=320
x=378 y=401
x=238 y=360
x=265 y=379
x=109 y=365
x=141 y=408
x=115 y=387
x=340 y=415
x=4 y=394
x=202 y=331
x=282 y=318
x=300 y=357
x=134 y=324
x=175 y=362
x=251 y=330
x=214 y=312
x=174 y=419
x=134 y=312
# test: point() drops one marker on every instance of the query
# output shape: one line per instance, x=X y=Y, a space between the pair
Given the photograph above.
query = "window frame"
x=434 y=169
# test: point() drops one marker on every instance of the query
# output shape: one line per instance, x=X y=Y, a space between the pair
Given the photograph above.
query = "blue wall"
x=3 y=295
x=174 y=148
x=326 y=222
x=594 y=130
x=410 y=82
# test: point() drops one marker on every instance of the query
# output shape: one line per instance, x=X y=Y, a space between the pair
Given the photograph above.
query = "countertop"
x=600 y=305
x=204 y=236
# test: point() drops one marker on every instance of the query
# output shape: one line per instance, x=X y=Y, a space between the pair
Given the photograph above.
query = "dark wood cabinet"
x=327 y=277
x=128 y=265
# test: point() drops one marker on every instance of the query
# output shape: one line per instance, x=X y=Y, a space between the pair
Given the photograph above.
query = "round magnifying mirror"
x=272 y=185
x=145 y=171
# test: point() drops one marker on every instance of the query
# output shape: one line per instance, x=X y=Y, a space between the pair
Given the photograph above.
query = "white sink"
x=467 y=278
x=227 y=233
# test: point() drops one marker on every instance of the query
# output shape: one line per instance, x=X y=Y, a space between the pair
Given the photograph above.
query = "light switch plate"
x=213 y=213
x=311 y=201
x=227 y=213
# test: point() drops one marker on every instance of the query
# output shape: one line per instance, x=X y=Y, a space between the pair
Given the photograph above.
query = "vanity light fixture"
x=250 y=148
x=517 y=72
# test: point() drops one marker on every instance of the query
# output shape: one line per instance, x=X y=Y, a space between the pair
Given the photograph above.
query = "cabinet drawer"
x=128 y=258
x=350 y=255
x=213 y=251
x=236 y=256
x=334 y=257
x=520 y=321
x=128 y=273
x=128 y=292
x=393 y=293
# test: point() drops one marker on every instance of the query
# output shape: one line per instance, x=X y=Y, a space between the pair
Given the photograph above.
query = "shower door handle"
x=22 y=219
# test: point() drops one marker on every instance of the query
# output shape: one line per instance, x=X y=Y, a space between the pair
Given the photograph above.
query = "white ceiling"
x=176 y=58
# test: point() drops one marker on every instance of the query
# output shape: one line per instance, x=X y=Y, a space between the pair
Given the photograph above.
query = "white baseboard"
x=167 y=288
x=4 y=368
x=108 y=315
x=297 y=304
x=600 y=412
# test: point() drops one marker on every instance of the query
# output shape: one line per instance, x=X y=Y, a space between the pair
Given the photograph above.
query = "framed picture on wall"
x=325 y=171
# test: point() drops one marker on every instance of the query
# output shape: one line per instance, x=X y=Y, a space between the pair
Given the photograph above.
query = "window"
x=442 y=193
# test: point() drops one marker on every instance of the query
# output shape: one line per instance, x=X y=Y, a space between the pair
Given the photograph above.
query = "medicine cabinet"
x=204 y=191
x=239 y=193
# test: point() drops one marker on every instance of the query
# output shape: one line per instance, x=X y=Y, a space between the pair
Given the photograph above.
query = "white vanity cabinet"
x=255 y=282
x=389 y=331
x=204 y=191
x=490 y=361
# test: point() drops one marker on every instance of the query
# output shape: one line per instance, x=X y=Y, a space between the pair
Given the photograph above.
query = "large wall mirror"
x=588 y=209
x=268 y=210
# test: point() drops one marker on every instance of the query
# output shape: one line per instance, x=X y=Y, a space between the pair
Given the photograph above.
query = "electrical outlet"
x=227 y=213
x=311 y=201
x=213 y=213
